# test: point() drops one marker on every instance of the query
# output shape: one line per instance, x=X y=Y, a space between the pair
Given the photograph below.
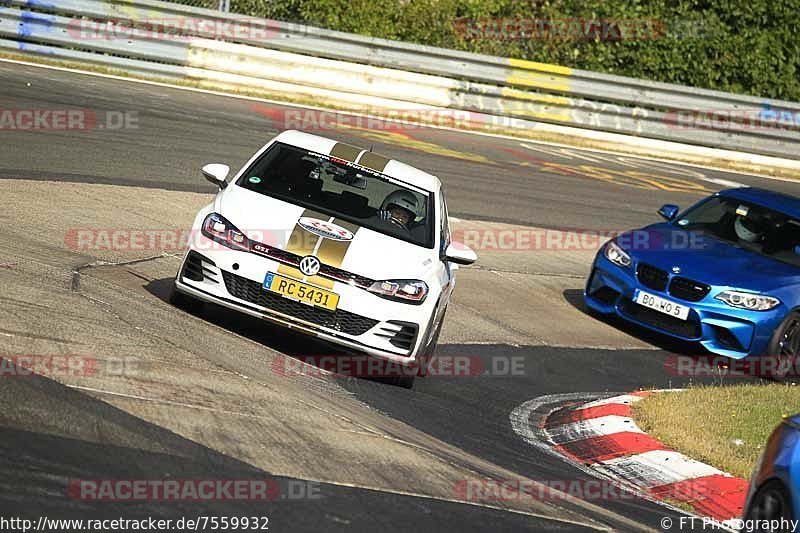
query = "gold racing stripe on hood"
x=332 y=252
x=345 y=151
x=373 y=161
x=302 y=242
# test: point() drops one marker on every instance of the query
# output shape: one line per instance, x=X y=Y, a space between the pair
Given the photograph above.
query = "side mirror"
x=460 y=254
x=216 y=174
x=669 y=211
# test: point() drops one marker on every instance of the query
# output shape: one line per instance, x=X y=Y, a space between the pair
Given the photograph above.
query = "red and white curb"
x=602 y=436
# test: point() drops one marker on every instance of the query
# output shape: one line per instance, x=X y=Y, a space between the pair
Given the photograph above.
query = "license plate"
x=662 y=305
x=301 y=292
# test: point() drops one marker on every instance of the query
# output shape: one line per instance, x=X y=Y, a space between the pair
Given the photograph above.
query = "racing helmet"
x=403 y=199
x=748 y=229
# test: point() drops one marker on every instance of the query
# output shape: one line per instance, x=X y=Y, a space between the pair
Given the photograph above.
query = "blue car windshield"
x=747 y=225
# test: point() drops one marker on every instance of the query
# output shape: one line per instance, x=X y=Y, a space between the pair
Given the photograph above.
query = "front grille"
x=652 y=277
x=283 y=256
x=403 y=337
x=688 y=289
x=339 y=320
x=345 y=276
x=327 y=271
x=688 y=329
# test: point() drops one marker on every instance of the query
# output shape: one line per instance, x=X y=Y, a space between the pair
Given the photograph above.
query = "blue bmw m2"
x=724 y=273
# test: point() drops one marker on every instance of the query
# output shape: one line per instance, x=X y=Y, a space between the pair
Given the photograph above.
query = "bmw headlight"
x=617 y=255
x=748 y=300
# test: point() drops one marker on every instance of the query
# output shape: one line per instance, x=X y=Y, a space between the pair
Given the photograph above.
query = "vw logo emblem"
x=309 y=265
x=676 y=270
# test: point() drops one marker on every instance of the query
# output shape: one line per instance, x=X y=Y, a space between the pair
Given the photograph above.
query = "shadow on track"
x=79 y=437
x=294 y=344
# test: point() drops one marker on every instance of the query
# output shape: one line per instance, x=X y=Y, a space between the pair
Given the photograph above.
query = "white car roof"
x=361 y=156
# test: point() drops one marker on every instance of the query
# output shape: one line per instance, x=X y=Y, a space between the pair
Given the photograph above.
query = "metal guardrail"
x=343 y=66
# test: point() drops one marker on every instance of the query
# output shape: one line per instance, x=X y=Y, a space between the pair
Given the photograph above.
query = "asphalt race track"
x=204 y=399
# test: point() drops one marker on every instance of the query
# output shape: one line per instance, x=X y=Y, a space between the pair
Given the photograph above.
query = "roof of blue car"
x=785 y=203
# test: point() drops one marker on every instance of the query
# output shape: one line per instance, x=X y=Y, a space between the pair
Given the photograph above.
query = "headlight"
x=617 y=255
x=747 y=300
x=217 y=228
x=403 y=290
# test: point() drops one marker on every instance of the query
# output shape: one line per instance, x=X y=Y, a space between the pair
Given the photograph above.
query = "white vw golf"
x=332 y=240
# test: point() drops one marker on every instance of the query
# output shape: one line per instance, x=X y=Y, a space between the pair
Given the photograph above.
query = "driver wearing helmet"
x=749 y=228
x=400 y=208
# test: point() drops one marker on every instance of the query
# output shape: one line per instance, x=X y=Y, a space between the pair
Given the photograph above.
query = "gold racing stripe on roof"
x=345 y=151
x=373 y=161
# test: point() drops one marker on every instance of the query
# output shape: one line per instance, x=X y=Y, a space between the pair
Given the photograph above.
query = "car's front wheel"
x=771 y=502
x=785 y=347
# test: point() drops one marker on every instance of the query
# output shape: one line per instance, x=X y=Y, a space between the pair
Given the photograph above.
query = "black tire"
x=185 y=302
x=771 y=502
x=785 y=346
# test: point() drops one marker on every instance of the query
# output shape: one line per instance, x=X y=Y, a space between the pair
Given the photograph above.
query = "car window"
x=748 y=225
x=344 y=190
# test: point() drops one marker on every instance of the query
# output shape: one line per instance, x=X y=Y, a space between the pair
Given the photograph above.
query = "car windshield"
x=747 y=225
x=342 y=189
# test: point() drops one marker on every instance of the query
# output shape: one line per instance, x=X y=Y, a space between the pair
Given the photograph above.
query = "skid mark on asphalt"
x=406 y=140
x=392 y=134
x=630 y=178
x=630 y=161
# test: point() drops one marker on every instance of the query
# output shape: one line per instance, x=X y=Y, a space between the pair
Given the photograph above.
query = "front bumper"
x=718 y=327
x=363 y=322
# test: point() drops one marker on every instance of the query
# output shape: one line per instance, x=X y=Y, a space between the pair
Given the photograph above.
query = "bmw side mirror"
x=669 y=211
x=216 y=174
x=460 y=254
